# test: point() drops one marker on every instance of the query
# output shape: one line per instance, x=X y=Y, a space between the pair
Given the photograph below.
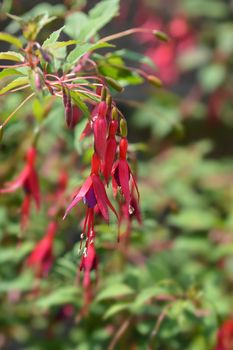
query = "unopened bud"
x=123 y=128
x=103 y=93
x=161 y=35
x=46 y=56
x=114 y=84
x=109 y=101
x=38 y=78
x=1 y=133
x=114 y=113
x=154 y=81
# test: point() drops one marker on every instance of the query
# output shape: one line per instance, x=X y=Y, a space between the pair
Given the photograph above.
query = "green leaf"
x=114 y=291
x=9 y=72
x=135 y=56
x=115 y=309
x=212 y=76
x=81 y=50
x=52 y=38
x=22 y=283
x=13 y=84
x=58 y=297
x=90 y=24
x=193 y=219
x=11 y=39
x=8 y=254
x=79 y=102
x=11 y=56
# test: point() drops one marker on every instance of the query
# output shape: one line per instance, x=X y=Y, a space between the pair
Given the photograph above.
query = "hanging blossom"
x=41 y=258
x=107 y=127
x=28 y=181
x=225 y=336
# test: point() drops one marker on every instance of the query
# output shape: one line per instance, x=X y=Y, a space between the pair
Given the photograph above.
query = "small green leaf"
x=52 y=38
x=58 y=297
x=11 y=39
x=115 y=309
x=81 y=50
x=11 y=56
x=212 y=76
x=79 y=102
x=114 y=291
x=90 y=24
x=13 y=84
x=9 y=72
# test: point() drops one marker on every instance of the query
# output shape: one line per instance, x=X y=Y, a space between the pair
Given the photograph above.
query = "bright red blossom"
x=225 y=336
x=121 y=174
x=28 y=180
x=41 y=258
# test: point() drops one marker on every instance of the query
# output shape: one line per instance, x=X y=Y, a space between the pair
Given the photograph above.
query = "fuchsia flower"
x=225 y=336
x=41 y=258
x=93 y=192
x=28 y=180
x=121 y=174
x=100 y=127
x=111 y=148
x=88 y=263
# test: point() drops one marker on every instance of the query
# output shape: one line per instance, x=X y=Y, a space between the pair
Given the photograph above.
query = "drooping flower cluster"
x=109 y=160
x=28 y=181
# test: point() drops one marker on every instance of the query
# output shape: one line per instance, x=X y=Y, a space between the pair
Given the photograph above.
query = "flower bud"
x=154 y=81
x=103 y=93
x=160 y=35
x=114 y=113
x=109 y=101
x=114 y=84
x=123 y=128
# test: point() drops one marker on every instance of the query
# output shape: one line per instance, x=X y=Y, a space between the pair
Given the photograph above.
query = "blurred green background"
x=170 y=287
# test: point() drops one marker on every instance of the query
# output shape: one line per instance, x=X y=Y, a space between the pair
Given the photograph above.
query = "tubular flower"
x=121 y=174
x=93 y=192
x=100 y=130
x=88 y=263
x=28 y=180
x=111 y=148
x=225 y=336
x=41 y=258
x=127 y=214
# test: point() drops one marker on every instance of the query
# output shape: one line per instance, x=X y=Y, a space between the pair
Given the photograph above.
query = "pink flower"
x=100 y=130
x=111 y=148
x=28 y=180
x=41 y=258
x=121 y=174
x=225 y=336
x=93 y=192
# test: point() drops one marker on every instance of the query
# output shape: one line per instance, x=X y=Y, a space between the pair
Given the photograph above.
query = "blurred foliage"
x=170 y=287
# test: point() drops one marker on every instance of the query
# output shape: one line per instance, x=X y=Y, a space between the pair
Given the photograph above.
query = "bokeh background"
x=168 y=286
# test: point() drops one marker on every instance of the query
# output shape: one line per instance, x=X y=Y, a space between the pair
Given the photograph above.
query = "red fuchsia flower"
x=122 y=174
x=100 y=127
x=41 y=258
x=28 y=180
x=93 y=192
x=225 y=336
x=127 y=214
x=88 y=263
x=111 y=148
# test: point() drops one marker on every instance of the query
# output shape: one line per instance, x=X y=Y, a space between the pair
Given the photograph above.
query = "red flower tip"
x=113 y=128
x=102 y=109
x=123 y=148
x=31 y=156
x=95 y=164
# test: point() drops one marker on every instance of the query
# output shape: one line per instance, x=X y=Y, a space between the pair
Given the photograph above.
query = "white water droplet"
x=131 y=210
